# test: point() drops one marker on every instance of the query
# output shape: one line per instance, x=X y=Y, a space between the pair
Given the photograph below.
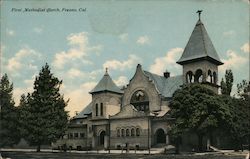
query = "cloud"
x=122 y=65
x=93 y=74
x=246 y=1
x=121 y=81
x=233 y=61
x=27 y=88
x=75 y=73
x=3 y=47
x=18 y=91
x=229 y=33
x=2 y=50
x=79 y=98
x=143 y=40
x=245 y=48
x=79 y=49
x=38 y=30
x=123 y=37
x=167 y=62
x=10 y=32
x=19 y=61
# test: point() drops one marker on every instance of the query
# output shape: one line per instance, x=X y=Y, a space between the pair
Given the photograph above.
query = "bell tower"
x=106 y=98
x=200 y=60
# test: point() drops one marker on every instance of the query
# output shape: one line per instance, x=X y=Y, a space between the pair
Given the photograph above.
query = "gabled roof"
x=83 y=114
x=106 y=84
x=199 y=46
x=165 y=86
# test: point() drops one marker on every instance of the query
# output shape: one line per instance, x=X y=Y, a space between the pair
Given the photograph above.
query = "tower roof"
x=199 y=47
x=106 y=84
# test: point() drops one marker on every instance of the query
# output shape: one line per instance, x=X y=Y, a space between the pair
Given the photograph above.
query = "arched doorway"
x=101 y=138
x=160 y=136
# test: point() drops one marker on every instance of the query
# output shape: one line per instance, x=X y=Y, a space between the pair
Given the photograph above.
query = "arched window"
x=127 y=132
x=132 y=132
x=101 y=109
x=123 y=132
x=198 y=76
x=189 y=77
x=118 y=133
x=209 y=76
x=215 y=77
x=137 y=132
x=140 y=100
x=96 y=109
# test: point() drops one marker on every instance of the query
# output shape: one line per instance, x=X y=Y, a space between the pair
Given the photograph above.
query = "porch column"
x=167 y=139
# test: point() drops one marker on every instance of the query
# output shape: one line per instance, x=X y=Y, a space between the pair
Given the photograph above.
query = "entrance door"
x=160 y=136
x=101 y=138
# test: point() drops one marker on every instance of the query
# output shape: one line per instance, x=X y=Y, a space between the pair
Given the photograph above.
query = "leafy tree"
x=226 y=86
x=23 y=113
x=45 y=119
x=240 y=125
x=243 y=90
x=199 y=110
x=9 y=134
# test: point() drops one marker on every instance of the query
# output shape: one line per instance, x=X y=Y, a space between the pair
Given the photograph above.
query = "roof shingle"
x=199 y=46
x=106 y=84
x=166 y=86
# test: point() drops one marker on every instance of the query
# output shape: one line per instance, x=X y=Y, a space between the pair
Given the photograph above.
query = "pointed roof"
x=199 y=47
x=84 y=113
x=106 y=84
x=165 y=86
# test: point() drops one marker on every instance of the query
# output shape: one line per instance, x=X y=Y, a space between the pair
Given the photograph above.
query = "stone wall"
x=141 y=82
x=141 y=140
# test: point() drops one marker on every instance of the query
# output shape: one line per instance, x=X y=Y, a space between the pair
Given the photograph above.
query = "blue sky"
x=114 y=34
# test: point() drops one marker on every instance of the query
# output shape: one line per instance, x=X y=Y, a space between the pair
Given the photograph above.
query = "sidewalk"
x=153 y=151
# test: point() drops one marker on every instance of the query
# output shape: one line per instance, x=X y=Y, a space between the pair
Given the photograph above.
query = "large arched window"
x=140 y=100
x=118 y=133
x=132 y=132
x=189 y=77
x=215 y=77
x=96 y=109
x=137 y=132
x=198 y=76
x=101 y=109
x=123 y=133
x=127 y=132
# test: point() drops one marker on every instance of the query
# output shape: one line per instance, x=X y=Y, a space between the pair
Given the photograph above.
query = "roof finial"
x=199 y=12
x=106 y=70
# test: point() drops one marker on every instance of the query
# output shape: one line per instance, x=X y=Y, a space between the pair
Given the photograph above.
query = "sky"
x=84 y=37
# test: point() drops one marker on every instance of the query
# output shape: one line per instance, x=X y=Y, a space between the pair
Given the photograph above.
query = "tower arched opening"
x=198 y=76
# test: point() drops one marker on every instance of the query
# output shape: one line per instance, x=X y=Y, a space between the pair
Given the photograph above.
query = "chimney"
x=166 y=74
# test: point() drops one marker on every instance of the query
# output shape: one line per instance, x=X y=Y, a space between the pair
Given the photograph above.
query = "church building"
x=137 y=115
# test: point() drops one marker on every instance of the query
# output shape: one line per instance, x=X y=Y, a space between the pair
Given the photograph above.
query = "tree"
x=45 y=119
x=226 y=86
x=23 y=113
x=9 y=134
x=243 y=90
x=199 y=110
x=240 y=125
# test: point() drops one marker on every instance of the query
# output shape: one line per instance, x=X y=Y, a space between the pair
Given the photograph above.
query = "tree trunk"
x=177 y=148
x=210 y=141
x=211 y=138
x=38 y=149
x=177 y=145
x=200 y=137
